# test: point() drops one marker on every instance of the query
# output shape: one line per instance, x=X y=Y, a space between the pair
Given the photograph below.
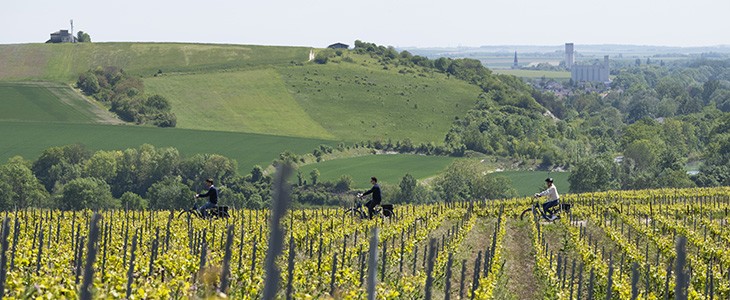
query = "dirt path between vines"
x=518 y=279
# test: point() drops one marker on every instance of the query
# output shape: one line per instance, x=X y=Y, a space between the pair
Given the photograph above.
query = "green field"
x=64 y=62
x=47 y=102
x=530 y=182
x=388 y=168
x=355 y=102
x=30 y=139
x=535 y=74
x=247 y=101
x=343 y=101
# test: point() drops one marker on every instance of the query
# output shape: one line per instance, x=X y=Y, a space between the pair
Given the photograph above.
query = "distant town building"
x=515 y=65
x=569 y=58
x=62 y=36
x=338 y=46
x=591 y=73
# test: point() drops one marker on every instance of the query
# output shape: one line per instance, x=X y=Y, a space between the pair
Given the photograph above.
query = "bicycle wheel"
x=183 y=212
x=522 y=215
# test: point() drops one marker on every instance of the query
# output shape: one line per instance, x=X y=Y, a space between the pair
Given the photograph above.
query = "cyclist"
x=375 y=190
x=212 y=195
x=552 y=197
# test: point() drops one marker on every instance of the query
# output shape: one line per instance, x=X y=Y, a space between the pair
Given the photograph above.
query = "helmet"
x=549 y=179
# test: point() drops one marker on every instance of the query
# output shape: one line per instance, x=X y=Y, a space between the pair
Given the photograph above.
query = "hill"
x=362 y=100
x=267 y=90
x=64 y=62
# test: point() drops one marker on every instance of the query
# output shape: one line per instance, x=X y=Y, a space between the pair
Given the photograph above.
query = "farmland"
x=388 y=168
x=529 y=182
x=615 y=245
x=48 y=102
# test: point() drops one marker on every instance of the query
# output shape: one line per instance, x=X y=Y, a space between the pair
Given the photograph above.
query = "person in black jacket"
x=375 y=190
x=212 y=195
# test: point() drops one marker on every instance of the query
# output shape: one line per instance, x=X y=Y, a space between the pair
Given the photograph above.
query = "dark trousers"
x=549 y=204
x=371 y=207
x=204 y=209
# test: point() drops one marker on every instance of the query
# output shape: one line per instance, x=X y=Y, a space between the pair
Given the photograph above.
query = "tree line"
x=72 y=177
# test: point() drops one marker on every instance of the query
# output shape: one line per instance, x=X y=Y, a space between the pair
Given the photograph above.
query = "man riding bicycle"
x=212 y=195
x=375 y=190
x=553 y=199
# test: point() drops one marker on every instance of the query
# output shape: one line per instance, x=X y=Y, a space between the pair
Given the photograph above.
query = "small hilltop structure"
x=63 y=36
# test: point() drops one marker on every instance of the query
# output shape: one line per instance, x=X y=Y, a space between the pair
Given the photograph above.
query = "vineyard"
x=652 y=244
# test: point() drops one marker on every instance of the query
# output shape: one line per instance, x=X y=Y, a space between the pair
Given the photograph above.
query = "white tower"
x=73 y=39
x=569 y=59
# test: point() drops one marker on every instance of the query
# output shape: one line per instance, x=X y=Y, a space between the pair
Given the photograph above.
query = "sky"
x=400 y=23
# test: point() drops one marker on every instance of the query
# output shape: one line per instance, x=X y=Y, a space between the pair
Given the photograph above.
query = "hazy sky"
x=395 y=22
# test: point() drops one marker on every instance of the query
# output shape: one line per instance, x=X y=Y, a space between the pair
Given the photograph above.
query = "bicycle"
x=359 y=210
x=551 y=215
x=216 y=212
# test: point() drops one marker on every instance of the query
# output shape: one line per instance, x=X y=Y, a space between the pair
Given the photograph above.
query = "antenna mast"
x=73 y=39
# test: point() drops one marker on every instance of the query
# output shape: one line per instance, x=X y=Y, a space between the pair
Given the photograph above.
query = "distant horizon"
x=403 y=24
x=351 y=44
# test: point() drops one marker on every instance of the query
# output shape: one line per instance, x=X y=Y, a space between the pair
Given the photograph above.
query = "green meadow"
x=247 y=101
x=361 y=101
x=528 y=183
x=388 y=168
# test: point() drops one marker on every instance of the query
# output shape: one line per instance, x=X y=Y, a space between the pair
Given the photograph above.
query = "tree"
x=442 y=64
x=467 y=180
x=314 y=175
x=133 y=201
x=343 y=184
x=19 y=188
x=60 y=164
x=643 y=152
x=83 y=37
x=102 y=165
x=257 y=173
x=88 y=83
x=169 y=193
x=592 y=174
x=86 y=193
x=407 y=189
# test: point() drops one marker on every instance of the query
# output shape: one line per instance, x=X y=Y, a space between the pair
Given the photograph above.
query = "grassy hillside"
x=64 y=62
x=388 y=168
x=246 y=101
x=530 y=182
x=358 y=101
x=30 y=139
x=344 y=101
x=267 y=90
x=48 y=102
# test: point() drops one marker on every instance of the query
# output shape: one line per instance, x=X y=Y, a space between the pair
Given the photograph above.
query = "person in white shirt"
x=552 y=195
